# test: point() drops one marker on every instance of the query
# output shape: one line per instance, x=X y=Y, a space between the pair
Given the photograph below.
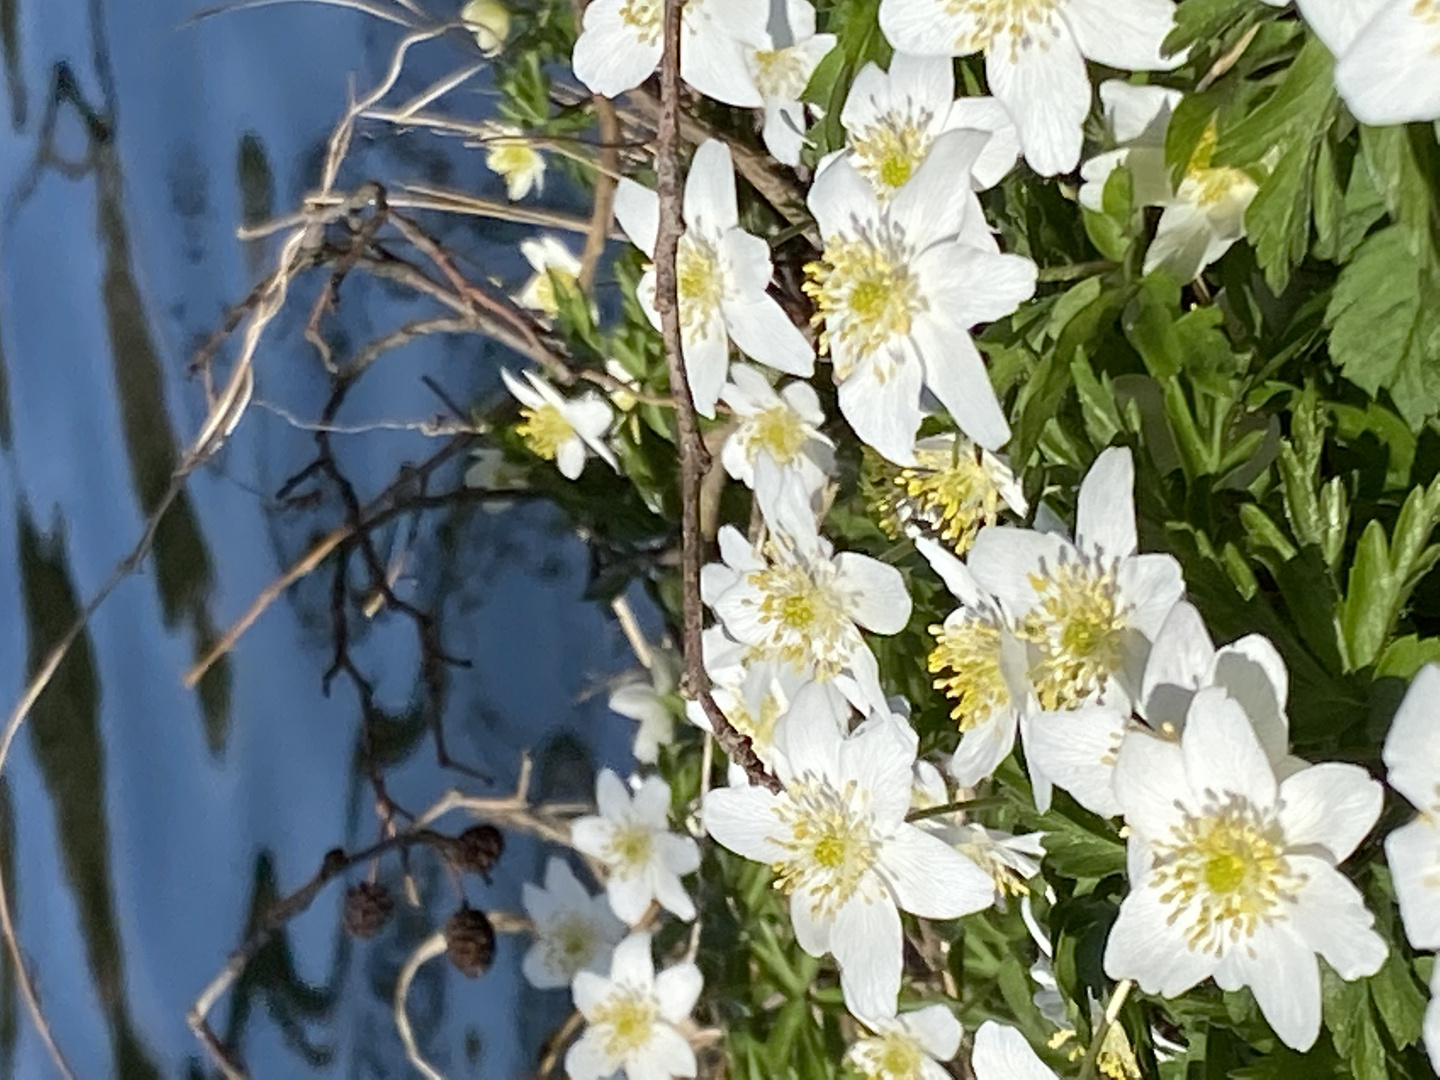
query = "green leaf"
x=1385 y=324
x=1351 y=1022
x=1369 y=598
x=1405 y=656
x=1398 y=997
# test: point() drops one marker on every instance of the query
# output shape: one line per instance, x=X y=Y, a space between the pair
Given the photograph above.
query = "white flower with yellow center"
x=781 y=67
x=547 y=255
x=511 y=154
x=1387 y=55
x=952 y=491
x=632 y=839
x=840 y=847
x=1087 y=611
x=1001 y=1053
x=892 y=119
x=896 y=295
x=721 y=272
x=620 y=44
x=574 y=931
x=1233 y=872
x=797 y=605
x=1412 y=755
x=777 y=449
x=558 y=429
x=1201 y=218
x=909 y=1046
x=632 y=1017
x=1035 y=53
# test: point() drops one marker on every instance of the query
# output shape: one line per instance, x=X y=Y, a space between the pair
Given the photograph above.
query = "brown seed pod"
x=470 y=941
x=477 y=849
x=367 y=909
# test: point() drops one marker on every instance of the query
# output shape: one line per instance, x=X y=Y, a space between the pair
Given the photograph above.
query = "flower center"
x=757 y=726
x=569 y=944
x=699 y=284
x=779 y=432
x=889 y=153
x=893 y=1056
x=1223 y=872
x=1211 y=185
x=865 y=295
x=948 y=494
x=1078 y=627
x=1026 y=23
x=644 y=18
x=510 y=157
x=629 y=849
x=830 y=843
x=1426 y=11
x=969 y=650
x=781 y=74
x=544 y=289
x=805 y=616
x=626 y=1021
x=544 y=430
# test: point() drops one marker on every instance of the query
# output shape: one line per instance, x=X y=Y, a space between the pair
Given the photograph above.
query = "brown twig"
x=694 y=458
x=603 y=217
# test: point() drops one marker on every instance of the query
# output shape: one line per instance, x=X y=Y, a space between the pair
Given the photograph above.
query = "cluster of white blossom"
x=1081 y=646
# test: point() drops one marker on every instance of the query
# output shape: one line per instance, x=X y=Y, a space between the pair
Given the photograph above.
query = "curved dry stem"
x=427 y=950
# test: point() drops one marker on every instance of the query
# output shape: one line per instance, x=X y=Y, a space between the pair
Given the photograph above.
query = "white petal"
x=1253 y=672
x=931 y=879
x=612 y=798
x=1001 y=149
x=678 y=988
x=867 y=944
x=979 y=286
x=1332 y=804
x=762 y=331
x=587 y=1060
x=1001 y=1053
x=1182 y=242
x=710 y=207
x=925 y=27
x=714 y=63
x=1413 y=852
x=1144 y=946
x=1047 y=92
x=570 y=458
x=812 y=932
x=629 y=897
x=526 y=395
x=1105 y=511
x=879 y=600
x=1412 y=747
x=538 y=971
x=1077 y=750
x=743 y=819
x=935 y=1029
x=1285 y=979
x=930 y=207
x=651 y=803
x=1126 y=36
x=1003 y=558
x=1338 y=22
x=1222 y=753
x=707 y=358
x=610 y=57
x=955 y=373
x=637 y=209
x=924 y=84
x=842 y=200
x=1151 y=584
x=665 y=1054
x=885 y=415
x=631 y=963
x=954 y=573
x=1331 y=918
x=591 y=835
x=1149 y=782
x=983 y=748
x=678 y=854
x=1178 y=663
x=1138 y=113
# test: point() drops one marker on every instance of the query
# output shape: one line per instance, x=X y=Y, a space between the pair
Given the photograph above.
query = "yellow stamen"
x=544 y=430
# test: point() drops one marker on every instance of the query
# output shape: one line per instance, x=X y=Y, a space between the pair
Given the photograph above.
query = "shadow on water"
x=184 y=573
x=65 y=739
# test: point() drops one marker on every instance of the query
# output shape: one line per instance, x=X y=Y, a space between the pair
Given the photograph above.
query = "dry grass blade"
x=365 y=7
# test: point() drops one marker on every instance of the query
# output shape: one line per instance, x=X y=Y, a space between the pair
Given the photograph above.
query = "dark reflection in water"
x=146 y=829
x=65 y=741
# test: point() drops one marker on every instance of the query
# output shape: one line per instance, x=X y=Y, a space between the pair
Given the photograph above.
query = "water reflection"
x=150 y=828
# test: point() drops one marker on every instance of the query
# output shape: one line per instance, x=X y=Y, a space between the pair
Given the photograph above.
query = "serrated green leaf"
x=1369 y=598
x=1397 y=994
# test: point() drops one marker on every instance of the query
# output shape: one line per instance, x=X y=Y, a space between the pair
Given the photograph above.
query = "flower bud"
x=489 y=21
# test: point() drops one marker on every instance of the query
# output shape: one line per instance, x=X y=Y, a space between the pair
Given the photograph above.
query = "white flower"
x=1001 y=1053
x=632 y=1017
x=1233 y=872
x=1412 y=756
x=1387 y=52
x=489 y=21
x=574 y=931
x=981 y=665
x=799 y=606
x=909 y=1046
x=510 y=153
x=840 y=846
x=1035 y=53
x=562 y=430
x=780 y=71
x=1201 y=218
x=953 y=489
x=897 y=296
x=777 y=449
x=632 y=839
x=620 y=44
x=892 y=119
x=546 y=255
x=650 y=700
x=721 y=276
x=1087 y=610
